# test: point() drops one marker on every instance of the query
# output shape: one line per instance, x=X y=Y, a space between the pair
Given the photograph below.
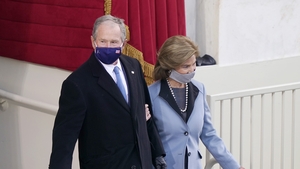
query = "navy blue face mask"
x=108 y=55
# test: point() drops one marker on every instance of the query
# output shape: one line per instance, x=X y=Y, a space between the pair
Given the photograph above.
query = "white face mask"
x=182 y=78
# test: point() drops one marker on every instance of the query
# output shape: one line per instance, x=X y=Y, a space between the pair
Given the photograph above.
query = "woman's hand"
x=148 y=115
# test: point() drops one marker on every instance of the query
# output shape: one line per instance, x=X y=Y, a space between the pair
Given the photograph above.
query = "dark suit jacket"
x=111 y=133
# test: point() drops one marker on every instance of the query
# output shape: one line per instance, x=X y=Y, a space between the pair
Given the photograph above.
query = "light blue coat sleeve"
x=214 y=143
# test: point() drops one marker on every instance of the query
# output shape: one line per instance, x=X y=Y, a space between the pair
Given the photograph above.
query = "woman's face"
x=188 y=66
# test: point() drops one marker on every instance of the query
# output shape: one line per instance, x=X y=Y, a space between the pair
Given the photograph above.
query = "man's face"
x=108 y=35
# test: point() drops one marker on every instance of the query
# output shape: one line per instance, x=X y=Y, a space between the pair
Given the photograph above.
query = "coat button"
x=133 y=167
x=189 y=154
x=186 y=133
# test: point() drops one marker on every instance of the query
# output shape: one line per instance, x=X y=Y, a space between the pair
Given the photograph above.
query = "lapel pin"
x=132 y=72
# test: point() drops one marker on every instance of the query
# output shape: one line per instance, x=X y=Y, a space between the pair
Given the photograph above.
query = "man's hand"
x=160 y=163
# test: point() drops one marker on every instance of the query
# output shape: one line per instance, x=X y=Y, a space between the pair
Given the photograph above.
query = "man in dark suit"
x=111 y=128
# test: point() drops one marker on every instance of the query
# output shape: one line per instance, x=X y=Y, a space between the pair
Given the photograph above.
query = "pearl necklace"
x=186 y=96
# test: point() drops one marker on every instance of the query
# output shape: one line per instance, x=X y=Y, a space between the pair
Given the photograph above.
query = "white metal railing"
x=246 y=124
x=210 y=163
x=6 y=97
x=259 y=125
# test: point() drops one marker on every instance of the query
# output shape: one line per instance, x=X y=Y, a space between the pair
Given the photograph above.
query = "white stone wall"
x=245 y=31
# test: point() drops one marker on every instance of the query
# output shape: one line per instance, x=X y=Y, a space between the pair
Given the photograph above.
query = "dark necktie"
x=119 y=82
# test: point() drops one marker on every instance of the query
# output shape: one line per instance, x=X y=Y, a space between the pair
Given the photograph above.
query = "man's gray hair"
x=116 y=20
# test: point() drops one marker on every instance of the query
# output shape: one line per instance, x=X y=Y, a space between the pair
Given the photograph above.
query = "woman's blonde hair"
x=175 y=51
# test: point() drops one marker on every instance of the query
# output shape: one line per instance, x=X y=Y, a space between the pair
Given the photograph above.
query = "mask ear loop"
x=168 y=73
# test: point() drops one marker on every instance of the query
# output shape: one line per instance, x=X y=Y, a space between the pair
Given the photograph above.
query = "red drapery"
x=49 y=32
x=57 y=33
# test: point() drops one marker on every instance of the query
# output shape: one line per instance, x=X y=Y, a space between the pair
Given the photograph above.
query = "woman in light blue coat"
x=180 y=110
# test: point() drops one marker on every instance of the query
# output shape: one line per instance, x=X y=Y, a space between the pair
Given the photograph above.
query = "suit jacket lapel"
x=130 y=75
x=106 y=82
x=193 y=93
x=167 y=95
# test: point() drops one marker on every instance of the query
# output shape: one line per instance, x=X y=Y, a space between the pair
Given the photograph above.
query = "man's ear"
x=123 y=46
x=124 y=43
x=93 y=42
